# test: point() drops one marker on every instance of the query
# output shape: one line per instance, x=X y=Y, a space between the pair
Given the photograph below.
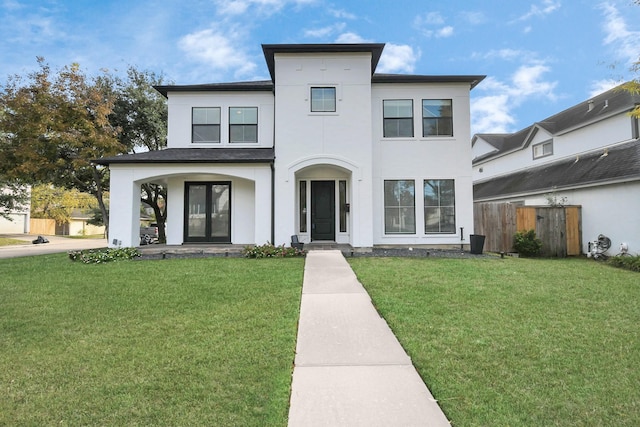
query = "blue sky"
x=540 y=56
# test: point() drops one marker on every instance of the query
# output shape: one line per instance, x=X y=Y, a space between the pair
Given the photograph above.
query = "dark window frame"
x=215 y=126
x=399 y=208
x=443 y=122
x=547 y=143
x=397 y=120
x=324 y=109
x=444 y=227
x=243 y=126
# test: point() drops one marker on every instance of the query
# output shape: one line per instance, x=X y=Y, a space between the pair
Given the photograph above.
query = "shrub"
x=526 y=243
x=99 y=256
x=627 y=262
x=270 y=251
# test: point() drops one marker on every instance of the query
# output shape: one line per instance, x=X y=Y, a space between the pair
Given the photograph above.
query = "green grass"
x=517 y=342
x=6 y=241
x=172 y=342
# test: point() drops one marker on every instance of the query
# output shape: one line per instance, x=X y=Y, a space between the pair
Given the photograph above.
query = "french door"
x=207 y=212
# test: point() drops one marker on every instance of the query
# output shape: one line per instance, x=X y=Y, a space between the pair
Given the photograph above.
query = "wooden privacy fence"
x=42 y=226
x=559 y=228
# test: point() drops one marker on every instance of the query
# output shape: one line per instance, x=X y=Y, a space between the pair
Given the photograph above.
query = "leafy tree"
x=140 y=112
x=58 y=203
x=12 y=196
x=53 y=126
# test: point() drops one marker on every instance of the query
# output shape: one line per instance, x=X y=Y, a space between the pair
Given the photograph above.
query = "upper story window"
x=398 y=118
x=437 y=117
x=323 y=99
x=243 y=124
x=205 y=124
x=543 y=149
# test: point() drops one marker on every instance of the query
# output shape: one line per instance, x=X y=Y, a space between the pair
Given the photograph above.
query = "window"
x=243 y=124
x=303 y=206
x=437 y=117
x=439 y=206
x=543 y=149
x=399 y=207
x=344 y=207
x=205 y=124
x=398 y=118
x=323 y=99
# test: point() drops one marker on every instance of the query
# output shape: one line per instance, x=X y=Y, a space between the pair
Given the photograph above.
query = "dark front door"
x=207 y=215
x=323 y=210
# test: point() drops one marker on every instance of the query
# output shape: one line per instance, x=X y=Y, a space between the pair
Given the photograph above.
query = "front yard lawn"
x=516 y=342
x=173 y=342
x=7 y=241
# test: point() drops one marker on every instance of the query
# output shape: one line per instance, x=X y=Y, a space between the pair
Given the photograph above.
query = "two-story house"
x=327 y=150
x=587 y=155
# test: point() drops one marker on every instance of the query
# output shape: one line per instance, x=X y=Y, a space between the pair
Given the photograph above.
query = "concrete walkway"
x=350 y=369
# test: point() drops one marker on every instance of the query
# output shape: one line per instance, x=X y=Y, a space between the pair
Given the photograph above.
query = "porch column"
x=263 y=206
x=124 y=211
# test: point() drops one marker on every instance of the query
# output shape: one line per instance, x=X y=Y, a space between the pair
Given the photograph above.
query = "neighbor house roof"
x=617 y=163
x=609 y=103
x=195 y=155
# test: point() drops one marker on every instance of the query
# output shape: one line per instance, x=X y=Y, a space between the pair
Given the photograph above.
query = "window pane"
x=323 y=99
x=197 y=211
x=243 y=115
x=243 y=133
x=439 y=206
x=398 y=108
x=342 y=194
x=396 y=128
x=206 y=133
x=303 y=206
x=437 y=117
x=206 y=116
x=399 y=206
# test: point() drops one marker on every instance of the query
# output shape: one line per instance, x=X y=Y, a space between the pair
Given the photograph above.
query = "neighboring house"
x=19 y=218
x=587 y=155
x=78 y=225
x=326 y=150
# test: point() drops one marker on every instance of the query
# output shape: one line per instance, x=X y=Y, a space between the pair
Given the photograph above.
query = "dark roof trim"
x=271 y=49
x=412 y=78
x=194 y=155
x=251 y=86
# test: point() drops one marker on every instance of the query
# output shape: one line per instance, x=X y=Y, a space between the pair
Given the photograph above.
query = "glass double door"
x=207 y=212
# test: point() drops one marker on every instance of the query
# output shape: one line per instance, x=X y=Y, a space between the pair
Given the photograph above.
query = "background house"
x=19 y=218
x=327 y=150
x=587 y=155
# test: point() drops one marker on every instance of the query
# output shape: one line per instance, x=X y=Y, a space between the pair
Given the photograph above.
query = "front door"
x=207 y=212
x=323 y=210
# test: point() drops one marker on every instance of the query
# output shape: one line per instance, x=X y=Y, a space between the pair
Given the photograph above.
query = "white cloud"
x=342 y=14
x=350 y=38
x=473 y=18
x=601 y=86
x=547 y=7
x=624 y=41
x=264 y=7
x=397 y=58
x=426 y=23
x=325 y=31
x=218 y=50
x=492 y=114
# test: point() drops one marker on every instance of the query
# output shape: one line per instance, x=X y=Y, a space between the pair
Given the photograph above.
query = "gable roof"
x=609 y=103
x=618 y=163
x=194 y=155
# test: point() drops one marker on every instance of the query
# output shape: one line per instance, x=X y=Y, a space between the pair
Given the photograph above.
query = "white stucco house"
x=587 y=155
x=327 y=150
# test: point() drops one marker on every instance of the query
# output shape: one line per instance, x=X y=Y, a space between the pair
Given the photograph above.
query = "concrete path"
x=350 y=369
x=56 y=244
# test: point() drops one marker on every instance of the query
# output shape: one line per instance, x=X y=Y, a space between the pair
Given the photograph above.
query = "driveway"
x=56 y=244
